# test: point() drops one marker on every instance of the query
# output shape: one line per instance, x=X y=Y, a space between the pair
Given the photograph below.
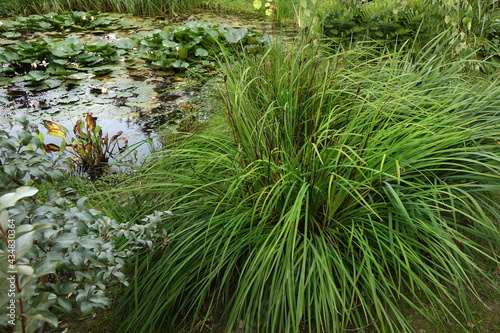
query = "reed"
x=135 y=7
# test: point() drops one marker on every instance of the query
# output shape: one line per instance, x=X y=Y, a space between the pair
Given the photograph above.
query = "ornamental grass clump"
x=342 y=188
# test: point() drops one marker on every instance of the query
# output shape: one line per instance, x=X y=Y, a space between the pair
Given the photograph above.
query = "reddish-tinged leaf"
x=115 y=137
x=88 y=148
x=125 y=141
x=471 y=325
x=54 y=129
x=78 y=127
x=51 y=147
x=90 y=120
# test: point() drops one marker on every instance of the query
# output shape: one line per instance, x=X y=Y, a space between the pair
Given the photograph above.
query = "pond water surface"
x=130 y=96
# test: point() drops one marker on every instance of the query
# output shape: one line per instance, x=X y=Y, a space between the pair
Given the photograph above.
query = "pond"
x=129 y=72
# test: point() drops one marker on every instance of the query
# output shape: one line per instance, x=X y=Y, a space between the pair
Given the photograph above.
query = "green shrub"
x=336 y=189
x=55 y=253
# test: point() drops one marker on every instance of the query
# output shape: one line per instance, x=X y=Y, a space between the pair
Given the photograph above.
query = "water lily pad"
x=11 y=34
x=101 y=71
x=126 y=44
x=53 y=83
x=78 y=76
x=37 y=76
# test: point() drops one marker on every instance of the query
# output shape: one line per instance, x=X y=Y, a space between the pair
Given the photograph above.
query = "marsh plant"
x=341 y=188
x=90 y=148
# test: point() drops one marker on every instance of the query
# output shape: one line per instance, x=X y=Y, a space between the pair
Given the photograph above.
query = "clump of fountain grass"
x=345 y=185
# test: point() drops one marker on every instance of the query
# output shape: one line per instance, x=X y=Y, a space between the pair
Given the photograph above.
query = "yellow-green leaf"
x=54 y=129
x=51 y=147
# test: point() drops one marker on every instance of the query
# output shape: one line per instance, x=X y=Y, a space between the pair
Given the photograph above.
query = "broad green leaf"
x=24 y=244
x=45 y=267
x=37 y=76
x=10 y=199
x=24 y=269
x=169 y=43
x=65 y=304
x=27 y=228
x=42 y=315
x=86 y=308
x=4 y=219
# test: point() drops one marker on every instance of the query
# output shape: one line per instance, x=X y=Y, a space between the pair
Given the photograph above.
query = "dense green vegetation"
x=473 y=26
x=345 y=185
x=346 y=182
x=136 y=7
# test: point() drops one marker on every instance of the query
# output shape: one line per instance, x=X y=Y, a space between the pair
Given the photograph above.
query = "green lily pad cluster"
x=196 y=45
x=193 y=45
x=39 y=60
x=66 y=22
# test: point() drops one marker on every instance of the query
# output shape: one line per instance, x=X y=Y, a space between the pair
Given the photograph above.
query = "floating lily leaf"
x=125 y=44
x=193 y=43
x=102 y=71
x=62 y=72
x=37 y=76
x=11 y=34
x=8 y=56
x=43 y=85
x=61 y=62
x=45 y=25
x=97 y=47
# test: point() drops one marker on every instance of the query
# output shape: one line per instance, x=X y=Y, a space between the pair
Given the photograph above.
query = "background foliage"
x=473 y=25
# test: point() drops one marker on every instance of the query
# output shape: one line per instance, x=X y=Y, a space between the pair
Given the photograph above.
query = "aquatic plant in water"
x=197 y=46
x=64 y=22
x=90 y=149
